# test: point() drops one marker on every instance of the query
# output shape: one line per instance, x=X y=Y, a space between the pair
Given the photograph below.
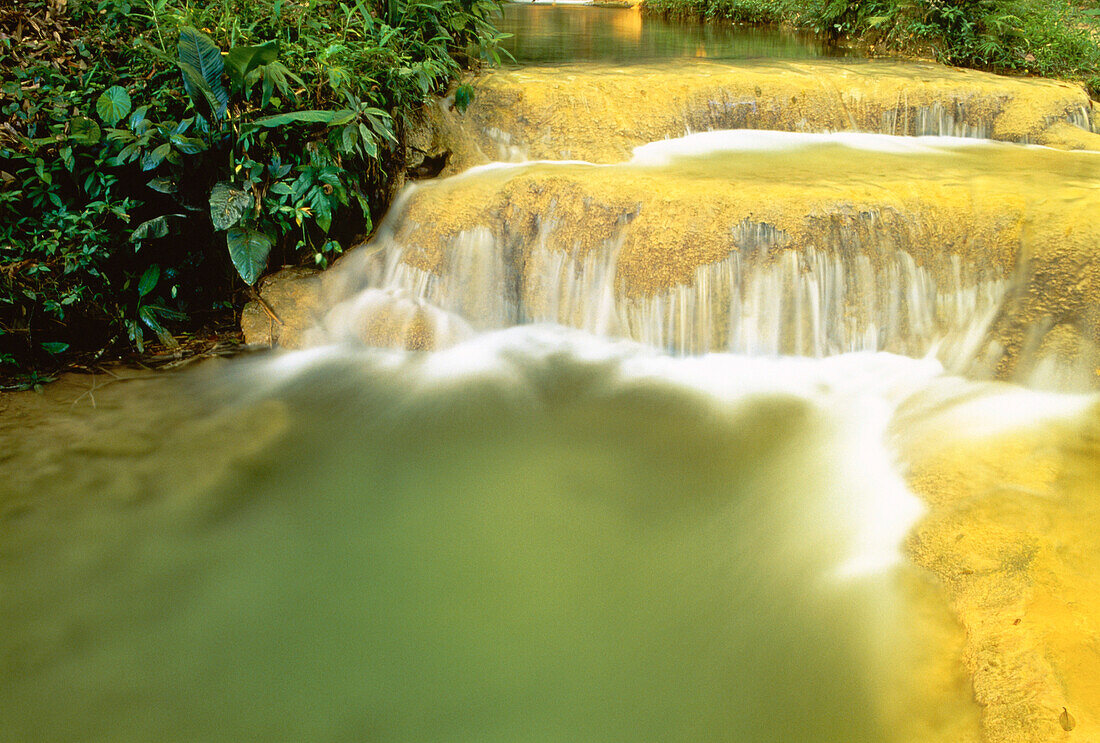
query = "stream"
x=666 y=414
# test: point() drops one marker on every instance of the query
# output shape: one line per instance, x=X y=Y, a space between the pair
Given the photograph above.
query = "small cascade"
x=814 y=303
x=979 y=254
x=762 y=299
x=394 y=317
x=577 y=292
x=600 y=112
x=472 y=282
x=751 y=242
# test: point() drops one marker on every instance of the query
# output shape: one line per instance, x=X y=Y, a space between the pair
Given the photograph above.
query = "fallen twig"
x=266 y=307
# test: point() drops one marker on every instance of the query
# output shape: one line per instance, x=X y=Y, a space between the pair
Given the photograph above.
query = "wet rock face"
x=426 y=152
x=886 y=249
x=301 y=312
x=979 y=253
x=390 y=318
x=293 y=299
x=600 y=114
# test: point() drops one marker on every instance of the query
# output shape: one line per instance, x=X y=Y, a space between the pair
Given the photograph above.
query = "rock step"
x=599 y=113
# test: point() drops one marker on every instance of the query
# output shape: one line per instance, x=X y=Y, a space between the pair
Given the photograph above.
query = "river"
x=770 y=435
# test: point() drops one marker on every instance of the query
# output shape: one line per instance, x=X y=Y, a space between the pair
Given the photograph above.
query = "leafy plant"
x=161 y=152
x=1048 y=37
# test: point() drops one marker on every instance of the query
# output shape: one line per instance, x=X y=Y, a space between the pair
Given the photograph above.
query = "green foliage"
x=1055 y=38
x=162 y=148
x=249 y=250
x=113 y=106
x=735 y=11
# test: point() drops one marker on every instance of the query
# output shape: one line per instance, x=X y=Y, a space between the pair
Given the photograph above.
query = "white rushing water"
x=765 y=298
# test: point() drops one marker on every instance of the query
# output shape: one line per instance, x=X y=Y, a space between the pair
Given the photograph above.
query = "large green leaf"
x=54 y=347
x=201 y=63
x=149 y=280
x=322 y=209
x=155 y=157
x=241 y=60
x=349 y=137
x=343 y=116
x=151 y=229
x=187 y=145
x=163 y=185
x=248 y=249
x=381 y=122
x=228 y=205
x=139 y=123
x=83 y=130
x=276 y=76
x=293 y=117
x=113 y=105
x=206 y=100
x=368 y=147
x=148 y=316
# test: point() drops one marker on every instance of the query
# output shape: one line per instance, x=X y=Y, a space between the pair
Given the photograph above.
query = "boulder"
x=294 y=304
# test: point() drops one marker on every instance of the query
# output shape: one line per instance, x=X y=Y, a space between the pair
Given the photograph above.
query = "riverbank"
x=156 y=160
x=1050 y=38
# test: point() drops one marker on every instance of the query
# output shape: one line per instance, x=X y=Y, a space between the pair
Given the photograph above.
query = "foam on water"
x=656 y=154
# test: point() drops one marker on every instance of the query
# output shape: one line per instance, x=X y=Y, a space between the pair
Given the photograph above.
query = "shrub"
x=1056 y=38
x=155 y=156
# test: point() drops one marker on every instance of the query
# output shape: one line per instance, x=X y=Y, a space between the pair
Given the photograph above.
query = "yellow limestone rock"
x=293 y=298
x=1014 y=534
x=599 y=113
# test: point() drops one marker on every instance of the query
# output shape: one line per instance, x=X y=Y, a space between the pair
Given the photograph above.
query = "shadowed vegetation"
x=156 y=155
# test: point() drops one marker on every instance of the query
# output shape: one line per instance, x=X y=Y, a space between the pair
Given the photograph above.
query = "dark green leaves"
x=149 y=280
x=187 y=145
x=54 y=347
x=83 y=130
x=241 y=60
x=155 y=157
x=248 y=249
x=151 y=229
x=200 y=62
x=163 y=185
x=139 y=122
x=293 y=117
x=198 y=51
x=277 y=77
x=113 y=105
x=228 y=205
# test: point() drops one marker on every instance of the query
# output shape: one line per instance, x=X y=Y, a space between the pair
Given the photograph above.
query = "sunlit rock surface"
x=292 y=296
x=599 y=113
x=1012 y=533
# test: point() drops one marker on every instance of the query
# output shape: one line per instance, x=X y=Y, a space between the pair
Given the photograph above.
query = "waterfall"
x=763 y=243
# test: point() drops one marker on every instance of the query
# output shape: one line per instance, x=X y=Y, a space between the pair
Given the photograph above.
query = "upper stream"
x=700 y=401
x=550 y=32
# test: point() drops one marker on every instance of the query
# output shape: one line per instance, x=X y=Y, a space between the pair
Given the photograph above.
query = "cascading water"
x=658 y=450
x=747 y=242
